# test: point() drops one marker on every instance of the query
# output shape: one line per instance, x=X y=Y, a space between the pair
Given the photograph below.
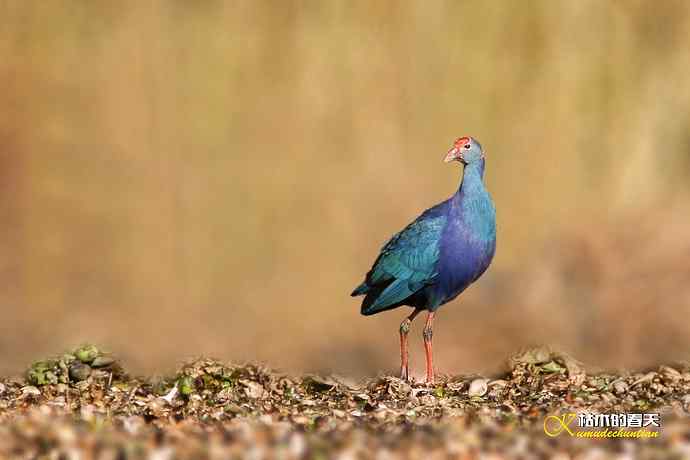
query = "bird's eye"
x=467 y=146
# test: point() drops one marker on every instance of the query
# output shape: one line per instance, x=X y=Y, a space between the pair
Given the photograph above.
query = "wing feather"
x=412 y=254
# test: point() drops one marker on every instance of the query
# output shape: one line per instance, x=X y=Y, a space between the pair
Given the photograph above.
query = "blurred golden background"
x=187 y=178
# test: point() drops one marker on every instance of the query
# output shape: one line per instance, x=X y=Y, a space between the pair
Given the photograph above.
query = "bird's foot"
x=404 y=374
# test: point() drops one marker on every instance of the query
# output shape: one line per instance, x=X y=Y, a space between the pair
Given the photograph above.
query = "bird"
x=437 y=256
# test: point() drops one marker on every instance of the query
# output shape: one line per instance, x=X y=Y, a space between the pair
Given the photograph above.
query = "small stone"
x=102 y=361
x=79 y=371
x=2 y=388
x=30 y=390
x=253 y=389
x=158 y=407
x=478 y=387
x=620 y=387
x=670 y=373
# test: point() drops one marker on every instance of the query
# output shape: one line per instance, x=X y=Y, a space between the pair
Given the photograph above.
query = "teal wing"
x=405 y=265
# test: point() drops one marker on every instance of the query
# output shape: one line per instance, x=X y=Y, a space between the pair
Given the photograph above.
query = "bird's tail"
x=368 y=307
x=360 y=290
x=371 y=306
x=387 y=296
x=371 y=293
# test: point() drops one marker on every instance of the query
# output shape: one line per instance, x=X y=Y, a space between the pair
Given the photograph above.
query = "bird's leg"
x=404 y=329
x=428 y=334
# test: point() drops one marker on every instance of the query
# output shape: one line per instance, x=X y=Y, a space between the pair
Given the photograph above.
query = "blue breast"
x=468 y=241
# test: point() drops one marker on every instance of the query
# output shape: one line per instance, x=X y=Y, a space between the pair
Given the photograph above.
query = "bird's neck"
x=472 y=179
x=472 y=208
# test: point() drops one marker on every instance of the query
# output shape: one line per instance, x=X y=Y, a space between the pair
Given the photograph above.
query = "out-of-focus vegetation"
x=214 y=177
x=211 y=410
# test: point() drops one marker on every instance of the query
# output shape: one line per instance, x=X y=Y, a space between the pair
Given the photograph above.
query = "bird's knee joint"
x=405 y=326
x=427 y=333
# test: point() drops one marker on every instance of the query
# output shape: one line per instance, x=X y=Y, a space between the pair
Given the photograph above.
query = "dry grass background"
x=187 y=178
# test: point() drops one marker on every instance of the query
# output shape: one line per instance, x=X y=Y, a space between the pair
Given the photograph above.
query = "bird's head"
x=465 y=150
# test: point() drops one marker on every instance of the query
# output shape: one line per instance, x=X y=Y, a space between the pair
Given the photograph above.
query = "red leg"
x=428 y=334
x=404 y=329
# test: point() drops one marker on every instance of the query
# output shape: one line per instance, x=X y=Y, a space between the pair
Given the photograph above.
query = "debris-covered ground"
x=83 y=405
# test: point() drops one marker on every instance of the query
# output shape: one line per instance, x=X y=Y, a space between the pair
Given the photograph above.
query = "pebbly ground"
x=83 y=405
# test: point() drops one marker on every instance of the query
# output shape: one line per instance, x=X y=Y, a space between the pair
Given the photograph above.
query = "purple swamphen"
x=436 y=257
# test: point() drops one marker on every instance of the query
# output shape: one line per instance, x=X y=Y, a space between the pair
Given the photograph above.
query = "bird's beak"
x=454 y=154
